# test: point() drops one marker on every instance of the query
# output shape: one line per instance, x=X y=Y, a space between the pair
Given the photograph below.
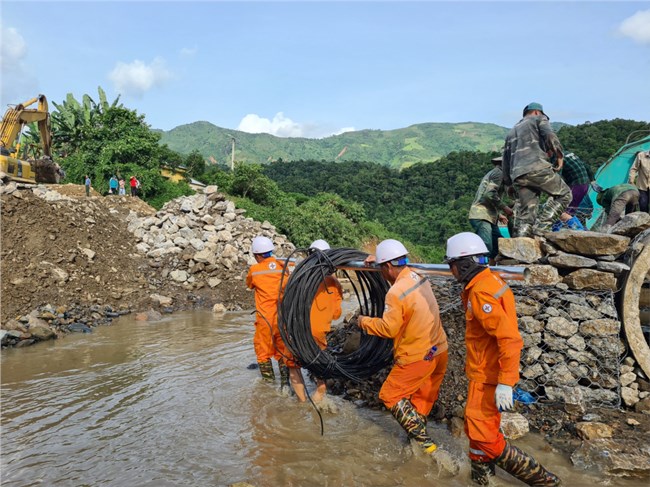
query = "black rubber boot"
x=266 y=369
x=524 y=467
x=284 y=377
x=414 y=424
x=482 y=472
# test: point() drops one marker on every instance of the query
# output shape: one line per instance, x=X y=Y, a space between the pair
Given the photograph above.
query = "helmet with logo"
x=320 y=244
x=390 y=249
x=464 y=244
x=262 y=245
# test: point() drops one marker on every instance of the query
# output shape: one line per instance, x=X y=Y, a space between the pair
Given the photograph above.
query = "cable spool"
x=370 y=288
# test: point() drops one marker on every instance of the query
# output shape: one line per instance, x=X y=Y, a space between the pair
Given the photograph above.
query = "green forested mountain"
x=425 y=142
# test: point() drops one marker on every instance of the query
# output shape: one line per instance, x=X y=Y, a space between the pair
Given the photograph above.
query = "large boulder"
x=591 y=279
x=563 y=259
x=522 y=249
x=589 y=243
x=632 y=224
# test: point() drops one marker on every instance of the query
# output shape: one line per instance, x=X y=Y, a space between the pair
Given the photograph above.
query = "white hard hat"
x=320 y=244
x=389 y=250
x=262 y=245
x=465 y=244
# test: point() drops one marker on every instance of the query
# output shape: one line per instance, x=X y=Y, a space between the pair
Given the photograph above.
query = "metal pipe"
x=505 y=272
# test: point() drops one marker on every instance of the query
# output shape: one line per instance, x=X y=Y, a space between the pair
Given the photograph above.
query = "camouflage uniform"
x=484 y=212
x=526 y=166
x=617 y=201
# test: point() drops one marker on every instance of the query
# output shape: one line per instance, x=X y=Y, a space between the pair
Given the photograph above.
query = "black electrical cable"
x=294 y=309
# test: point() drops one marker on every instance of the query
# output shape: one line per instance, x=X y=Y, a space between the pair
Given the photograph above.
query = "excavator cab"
x=33 y=170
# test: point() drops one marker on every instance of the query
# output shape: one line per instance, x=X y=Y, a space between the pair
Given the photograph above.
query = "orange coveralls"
x=325 y=308
x=412 y=319
x=493 y=350
x=264 y=278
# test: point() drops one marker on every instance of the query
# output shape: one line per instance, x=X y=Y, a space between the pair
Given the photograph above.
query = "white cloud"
x=137 y=77
x=637 y=27
x=282 y=126
x=188 y=51
x=16 y=81
x=13 y=49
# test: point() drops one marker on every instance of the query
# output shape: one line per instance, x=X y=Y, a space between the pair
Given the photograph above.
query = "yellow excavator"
x=40 y=168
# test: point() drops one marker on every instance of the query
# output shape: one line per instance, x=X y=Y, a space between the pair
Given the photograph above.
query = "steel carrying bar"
x=505 y=272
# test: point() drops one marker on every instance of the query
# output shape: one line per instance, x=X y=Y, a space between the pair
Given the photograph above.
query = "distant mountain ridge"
x=424 y=142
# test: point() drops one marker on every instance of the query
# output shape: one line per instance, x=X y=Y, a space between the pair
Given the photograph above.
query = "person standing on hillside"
x=616 y=202
x=122 y=190
x=493 y=346
x=484 y=212
x=265 y=278
x=134 y=186
x=112 y=185
x=641 y=168
x=411 y=319
x=526 y=166
x=325 y=308
x=87 y=185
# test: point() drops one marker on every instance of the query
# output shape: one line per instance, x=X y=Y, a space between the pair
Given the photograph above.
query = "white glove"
x=503 y=397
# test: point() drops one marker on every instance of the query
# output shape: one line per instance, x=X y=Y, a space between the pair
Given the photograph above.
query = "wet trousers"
x=268 y=343
x=419 y=382
x=482 y=422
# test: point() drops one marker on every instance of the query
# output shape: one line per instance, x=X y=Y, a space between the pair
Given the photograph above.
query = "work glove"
x=503 y=397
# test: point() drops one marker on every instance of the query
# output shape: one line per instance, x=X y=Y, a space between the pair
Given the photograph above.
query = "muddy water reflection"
x=172 y=403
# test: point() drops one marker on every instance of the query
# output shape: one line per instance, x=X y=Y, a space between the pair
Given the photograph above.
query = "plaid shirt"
x=575 y=171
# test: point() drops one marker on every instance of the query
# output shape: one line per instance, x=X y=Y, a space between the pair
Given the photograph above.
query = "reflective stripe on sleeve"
x=501 y=291
x=275 y=271
x=411 y=289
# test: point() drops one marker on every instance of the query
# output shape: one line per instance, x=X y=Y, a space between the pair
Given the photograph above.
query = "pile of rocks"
x=201 y=240
x=48 y=322
x=573 y=350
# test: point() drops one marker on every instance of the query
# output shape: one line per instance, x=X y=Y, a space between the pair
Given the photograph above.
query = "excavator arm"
x=42 y=170
x=17 y=117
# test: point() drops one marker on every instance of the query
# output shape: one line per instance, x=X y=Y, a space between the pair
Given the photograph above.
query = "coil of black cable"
x=294 y=309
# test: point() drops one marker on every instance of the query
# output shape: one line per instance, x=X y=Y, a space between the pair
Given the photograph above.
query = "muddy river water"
x=172 y=403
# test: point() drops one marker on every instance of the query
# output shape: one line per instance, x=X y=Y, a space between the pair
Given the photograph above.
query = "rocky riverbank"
x=71 y=262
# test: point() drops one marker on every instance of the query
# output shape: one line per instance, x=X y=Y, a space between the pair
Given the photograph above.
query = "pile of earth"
x=67 y=258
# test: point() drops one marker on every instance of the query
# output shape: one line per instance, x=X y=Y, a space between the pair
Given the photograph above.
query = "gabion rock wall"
x=572 y=350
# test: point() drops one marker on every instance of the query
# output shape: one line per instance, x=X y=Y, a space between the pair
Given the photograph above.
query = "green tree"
x=102 y=139
x=195 y=164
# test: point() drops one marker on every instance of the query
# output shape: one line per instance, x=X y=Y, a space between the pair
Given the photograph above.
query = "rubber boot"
x=266 y=369
x=525 y=468
x=414 y=424
x=284 y=377
x=482 y=472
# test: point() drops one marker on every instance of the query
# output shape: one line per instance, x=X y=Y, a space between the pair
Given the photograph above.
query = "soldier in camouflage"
x=484 y=212
x=526 y=166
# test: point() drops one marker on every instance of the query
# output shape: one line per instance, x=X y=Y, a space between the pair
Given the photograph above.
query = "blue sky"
x=316 y=68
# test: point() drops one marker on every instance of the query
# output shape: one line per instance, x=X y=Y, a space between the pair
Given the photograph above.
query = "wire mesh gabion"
x=572 y=345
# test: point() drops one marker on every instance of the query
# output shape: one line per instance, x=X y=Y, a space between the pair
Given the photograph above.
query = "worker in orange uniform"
x=412 y=319
x=492 y=364
x=265 y=278
x=325 y=308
